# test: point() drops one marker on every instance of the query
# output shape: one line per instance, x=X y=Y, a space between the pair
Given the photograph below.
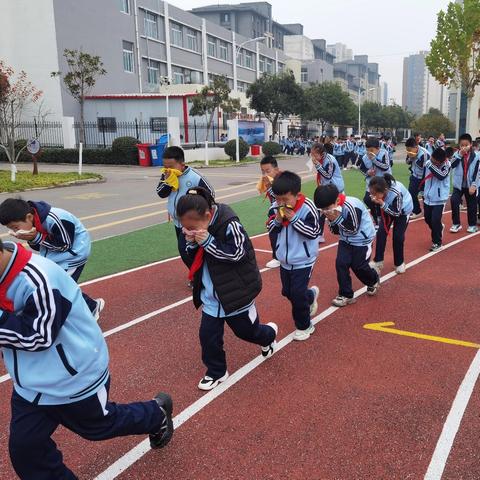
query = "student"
x=360 y=150
x=338 y=151
x=466 y=176
x=176 y=179
x=430 y=145
x=295 y=225
x=270 y=170
x=349 y=218
x=396 y=205
x=375 y=163
x=57 y=357
x=349 y=151
x=440 y=143
x=328 y=171
x=225 y=278
x=54 y=233
x=416 y=158
x=436 y=188
x=418 y=139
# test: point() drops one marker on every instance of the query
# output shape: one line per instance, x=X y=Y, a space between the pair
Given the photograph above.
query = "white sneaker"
x=267 y=352
x=377 y=266
x=301 y=335
x=455 y=228
x=273 y=263
x=472 y=229
x=98 y=309
x=208 y=383
x=340 y=301
x=413 y=216
x=400 y=269
x=314 y=305
x=371 y=291
x=463 y=208
x=321 y=239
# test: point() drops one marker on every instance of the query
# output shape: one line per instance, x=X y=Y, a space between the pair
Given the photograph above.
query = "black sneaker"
x=165 y=434
x=435 y=247
x=190 y=285
x=371 y=291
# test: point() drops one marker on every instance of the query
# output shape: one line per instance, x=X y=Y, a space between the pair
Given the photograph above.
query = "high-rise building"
x=340 y=51
x=421 y=91
x=384 y=93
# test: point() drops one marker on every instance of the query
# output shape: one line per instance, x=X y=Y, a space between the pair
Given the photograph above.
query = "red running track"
x=371 y=406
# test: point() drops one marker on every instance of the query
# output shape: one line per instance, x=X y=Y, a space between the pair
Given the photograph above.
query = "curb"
x=72 y=183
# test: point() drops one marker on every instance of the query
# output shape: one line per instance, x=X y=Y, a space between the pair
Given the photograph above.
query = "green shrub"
x=122 y=143
x=271 y=148
x=231 y=148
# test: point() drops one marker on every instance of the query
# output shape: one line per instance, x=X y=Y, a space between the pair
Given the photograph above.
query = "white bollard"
x=206 y=153
x=80 y=158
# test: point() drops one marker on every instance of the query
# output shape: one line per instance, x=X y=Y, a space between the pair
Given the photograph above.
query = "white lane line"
x=262 y=251
x=132 y=456
x=452 y=423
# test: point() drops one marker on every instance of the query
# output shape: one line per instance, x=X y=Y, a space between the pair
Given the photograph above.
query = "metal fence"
x=50 y=134
x=196 y=134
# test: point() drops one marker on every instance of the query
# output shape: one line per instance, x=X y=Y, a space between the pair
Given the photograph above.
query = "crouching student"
x=328 y=172
x=226 y=281
x=396 y=205
x=54 y=233
x=465 y=173
x=57 y=357
x=176 y=179
x=436 y=188
x=295 y=224
x=349 y=218
x=270 y=170
x=416 y=158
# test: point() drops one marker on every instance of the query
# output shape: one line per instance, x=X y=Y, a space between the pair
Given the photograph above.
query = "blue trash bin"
x=156 y=151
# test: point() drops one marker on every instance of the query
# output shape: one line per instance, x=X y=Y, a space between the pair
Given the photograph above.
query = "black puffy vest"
x=236 y=283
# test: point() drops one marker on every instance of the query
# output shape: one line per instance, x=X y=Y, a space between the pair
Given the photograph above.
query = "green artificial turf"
x=151 y=244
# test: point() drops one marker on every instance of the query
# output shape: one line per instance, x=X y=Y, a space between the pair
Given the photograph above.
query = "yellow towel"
x=171 y=177
x=261 y=186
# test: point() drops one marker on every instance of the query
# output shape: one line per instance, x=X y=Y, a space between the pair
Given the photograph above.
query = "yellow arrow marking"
x=385 y=327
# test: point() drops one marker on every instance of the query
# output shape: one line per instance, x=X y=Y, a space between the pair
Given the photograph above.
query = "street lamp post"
x=165 y=81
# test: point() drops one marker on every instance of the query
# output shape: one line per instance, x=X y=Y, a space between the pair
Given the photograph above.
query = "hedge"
x=231 y=148
x=103 y=156
x=271 y=148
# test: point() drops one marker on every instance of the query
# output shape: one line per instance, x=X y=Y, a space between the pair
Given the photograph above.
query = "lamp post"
x=165 y=81
x=360 y=106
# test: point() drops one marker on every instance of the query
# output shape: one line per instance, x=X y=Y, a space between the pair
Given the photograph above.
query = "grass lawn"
x=25 y=180
x=158 y=242
x=223 y=163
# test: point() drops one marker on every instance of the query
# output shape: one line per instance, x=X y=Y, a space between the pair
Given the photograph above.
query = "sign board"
x=252 y=132
x=33 y=146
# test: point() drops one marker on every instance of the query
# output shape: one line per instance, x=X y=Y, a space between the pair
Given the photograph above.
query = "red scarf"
x=38 y=225
x=296 y=208
x=465 y=165
x=341 y=199
x=427 y=177
x=386 y=225
x=22 y=258
x=197 y=263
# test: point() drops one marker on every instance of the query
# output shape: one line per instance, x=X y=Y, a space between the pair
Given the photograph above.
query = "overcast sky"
x=385 y=30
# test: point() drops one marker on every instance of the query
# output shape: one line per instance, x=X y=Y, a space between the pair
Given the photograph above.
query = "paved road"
x=127 y=200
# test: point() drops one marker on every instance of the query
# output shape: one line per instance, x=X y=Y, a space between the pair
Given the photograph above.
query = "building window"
x=151 y=25
x=262 y=64
x=281 y=67
x=107 y=124
x=153 y=72
x=128 y=65
x=249 y=59
x=186 y=76
x=176 y=34
x=242 y=86
x=223 y=51
x=240 y=55
x=269 y=65
x=212 y=47
x=192 y=40
x=304 y=75
x=225 y=18
x=125 y=6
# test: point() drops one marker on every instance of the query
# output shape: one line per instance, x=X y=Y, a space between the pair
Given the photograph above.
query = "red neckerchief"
x=341 y=199
x=465 y=165
x=197 y=263
x=319 y=177
x=296 y=208
x=386 y=225
x=427 y=177
x=38 y=225
x=21 y=259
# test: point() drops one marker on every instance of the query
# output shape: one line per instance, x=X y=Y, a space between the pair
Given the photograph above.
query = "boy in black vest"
x=225 y=278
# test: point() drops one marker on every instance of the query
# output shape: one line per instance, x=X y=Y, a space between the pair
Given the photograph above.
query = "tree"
x=214 y=97
x=327 y=103
x=394 y=117
x=275 y=96
x=454 y=58
x=433 y=123
x=83 y=70
x=372 y=115
x=17 y=95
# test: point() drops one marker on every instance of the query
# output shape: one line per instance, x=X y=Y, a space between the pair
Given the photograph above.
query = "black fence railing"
x=50 y=134
x=196 y=134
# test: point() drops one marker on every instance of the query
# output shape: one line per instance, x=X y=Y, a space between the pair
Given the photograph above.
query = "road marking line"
x=452 y=423
x=385 y=327
x=261 y=250
x=133 y=455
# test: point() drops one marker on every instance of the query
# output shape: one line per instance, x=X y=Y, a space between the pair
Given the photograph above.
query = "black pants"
x=456 y=201
x=433 y=218
x=246 y=326
x=340 y=160
x=35 y=455
x=413 y=188
x=399 y=225
x=182 y=247
x=355 y=258
x=374 y=208
x=295 y=288
x=75 y=274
